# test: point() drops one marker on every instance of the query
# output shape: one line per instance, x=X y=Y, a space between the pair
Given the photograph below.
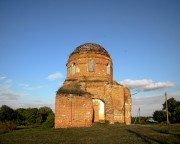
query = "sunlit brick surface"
x=90 y=66
x=73 y=111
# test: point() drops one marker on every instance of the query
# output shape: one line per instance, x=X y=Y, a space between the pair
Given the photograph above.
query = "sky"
x=37 y=37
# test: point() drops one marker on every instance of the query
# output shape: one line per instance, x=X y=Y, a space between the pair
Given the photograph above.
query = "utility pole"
x=167 y=122
x=139 y=116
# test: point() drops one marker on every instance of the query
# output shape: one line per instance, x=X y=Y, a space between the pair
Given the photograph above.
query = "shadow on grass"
x=146 y=139
x=24 y=127
x=169 y=131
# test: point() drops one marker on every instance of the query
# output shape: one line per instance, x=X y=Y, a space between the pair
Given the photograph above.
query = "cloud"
x=10 y=98
x=9 y=95
x=149 y=104
x=2 y=77
x=25 y=86
x=5 y=84
x=35 y=104
x=159 y=86
x=19 y=100
x=27 y=104
x=146 y=84
x=4 y=87
x=55 y=76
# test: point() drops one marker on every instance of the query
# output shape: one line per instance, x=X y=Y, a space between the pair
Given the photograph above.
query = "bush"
x=49 y=123
x=11 y=125
x=7 y=126
x=3 y=127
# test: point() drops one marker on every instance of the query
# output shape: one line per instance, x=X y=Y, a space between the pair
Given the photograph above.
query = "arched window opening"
x=99 y=110
x=108 y=70
x=73 y=68
x=91 y=66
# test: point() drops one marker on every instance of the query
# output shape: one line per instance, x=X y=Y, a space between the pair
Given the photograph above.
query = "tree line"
x=10 y=118
x=173 y=112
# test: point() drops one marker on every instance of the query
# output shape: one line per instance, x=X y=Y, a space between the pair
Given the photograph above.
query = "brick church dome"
x=90 y=61
x=90 y=47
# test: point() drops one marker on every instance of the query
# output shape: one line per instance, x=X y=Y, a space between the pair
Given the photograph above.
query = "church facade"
x=89 y=93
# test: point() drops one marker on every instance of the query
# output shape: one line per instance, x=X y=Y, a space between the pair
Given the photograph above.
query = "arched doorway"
x=99 y=110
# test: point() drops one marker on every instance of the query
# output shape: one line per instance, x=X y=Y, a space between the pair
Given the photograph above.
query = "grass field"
x=97 y=134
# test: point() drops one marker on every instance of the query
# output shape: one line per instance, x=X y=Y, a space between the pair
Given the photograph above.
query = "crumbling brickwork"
x=90 y=76
x=73 y=111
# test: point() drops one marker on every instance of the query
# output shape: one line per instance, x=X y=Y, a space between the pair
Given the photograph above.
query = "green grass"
x=97 y=134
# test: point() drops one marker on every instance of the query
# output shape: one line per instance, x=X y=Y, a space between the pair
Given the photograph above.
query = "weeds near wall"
x=72 y=88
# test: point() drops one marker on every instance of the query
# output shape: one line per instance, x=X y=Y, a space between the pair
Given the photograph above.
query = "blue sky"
x=37 y=36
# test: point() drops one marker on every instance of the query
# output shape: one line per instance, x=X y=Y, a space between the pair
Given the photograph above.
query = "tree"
x=159 y=116
x=30 y=115
x=49 y=123
x=7 y=114
x=173 y=109
x=176 y=113
x=172 y=103
x=173 y=112
x=43 y=114
x=7 y=119
x=21 y=119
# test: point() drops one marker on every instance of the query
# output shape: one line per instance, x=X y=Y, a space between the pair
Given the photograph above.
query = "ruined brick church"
x=89 y=93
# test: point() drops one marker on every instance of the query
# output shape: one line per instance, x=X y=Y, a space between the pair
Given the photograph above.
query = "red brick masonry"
x=91 y=67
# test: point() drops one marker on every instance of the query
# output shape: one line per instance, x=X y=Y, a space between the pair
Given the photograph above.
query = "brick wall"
x=128 y=102
x=81 y=61
x=77 y=111
x=116 y=97
x=73 y=111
